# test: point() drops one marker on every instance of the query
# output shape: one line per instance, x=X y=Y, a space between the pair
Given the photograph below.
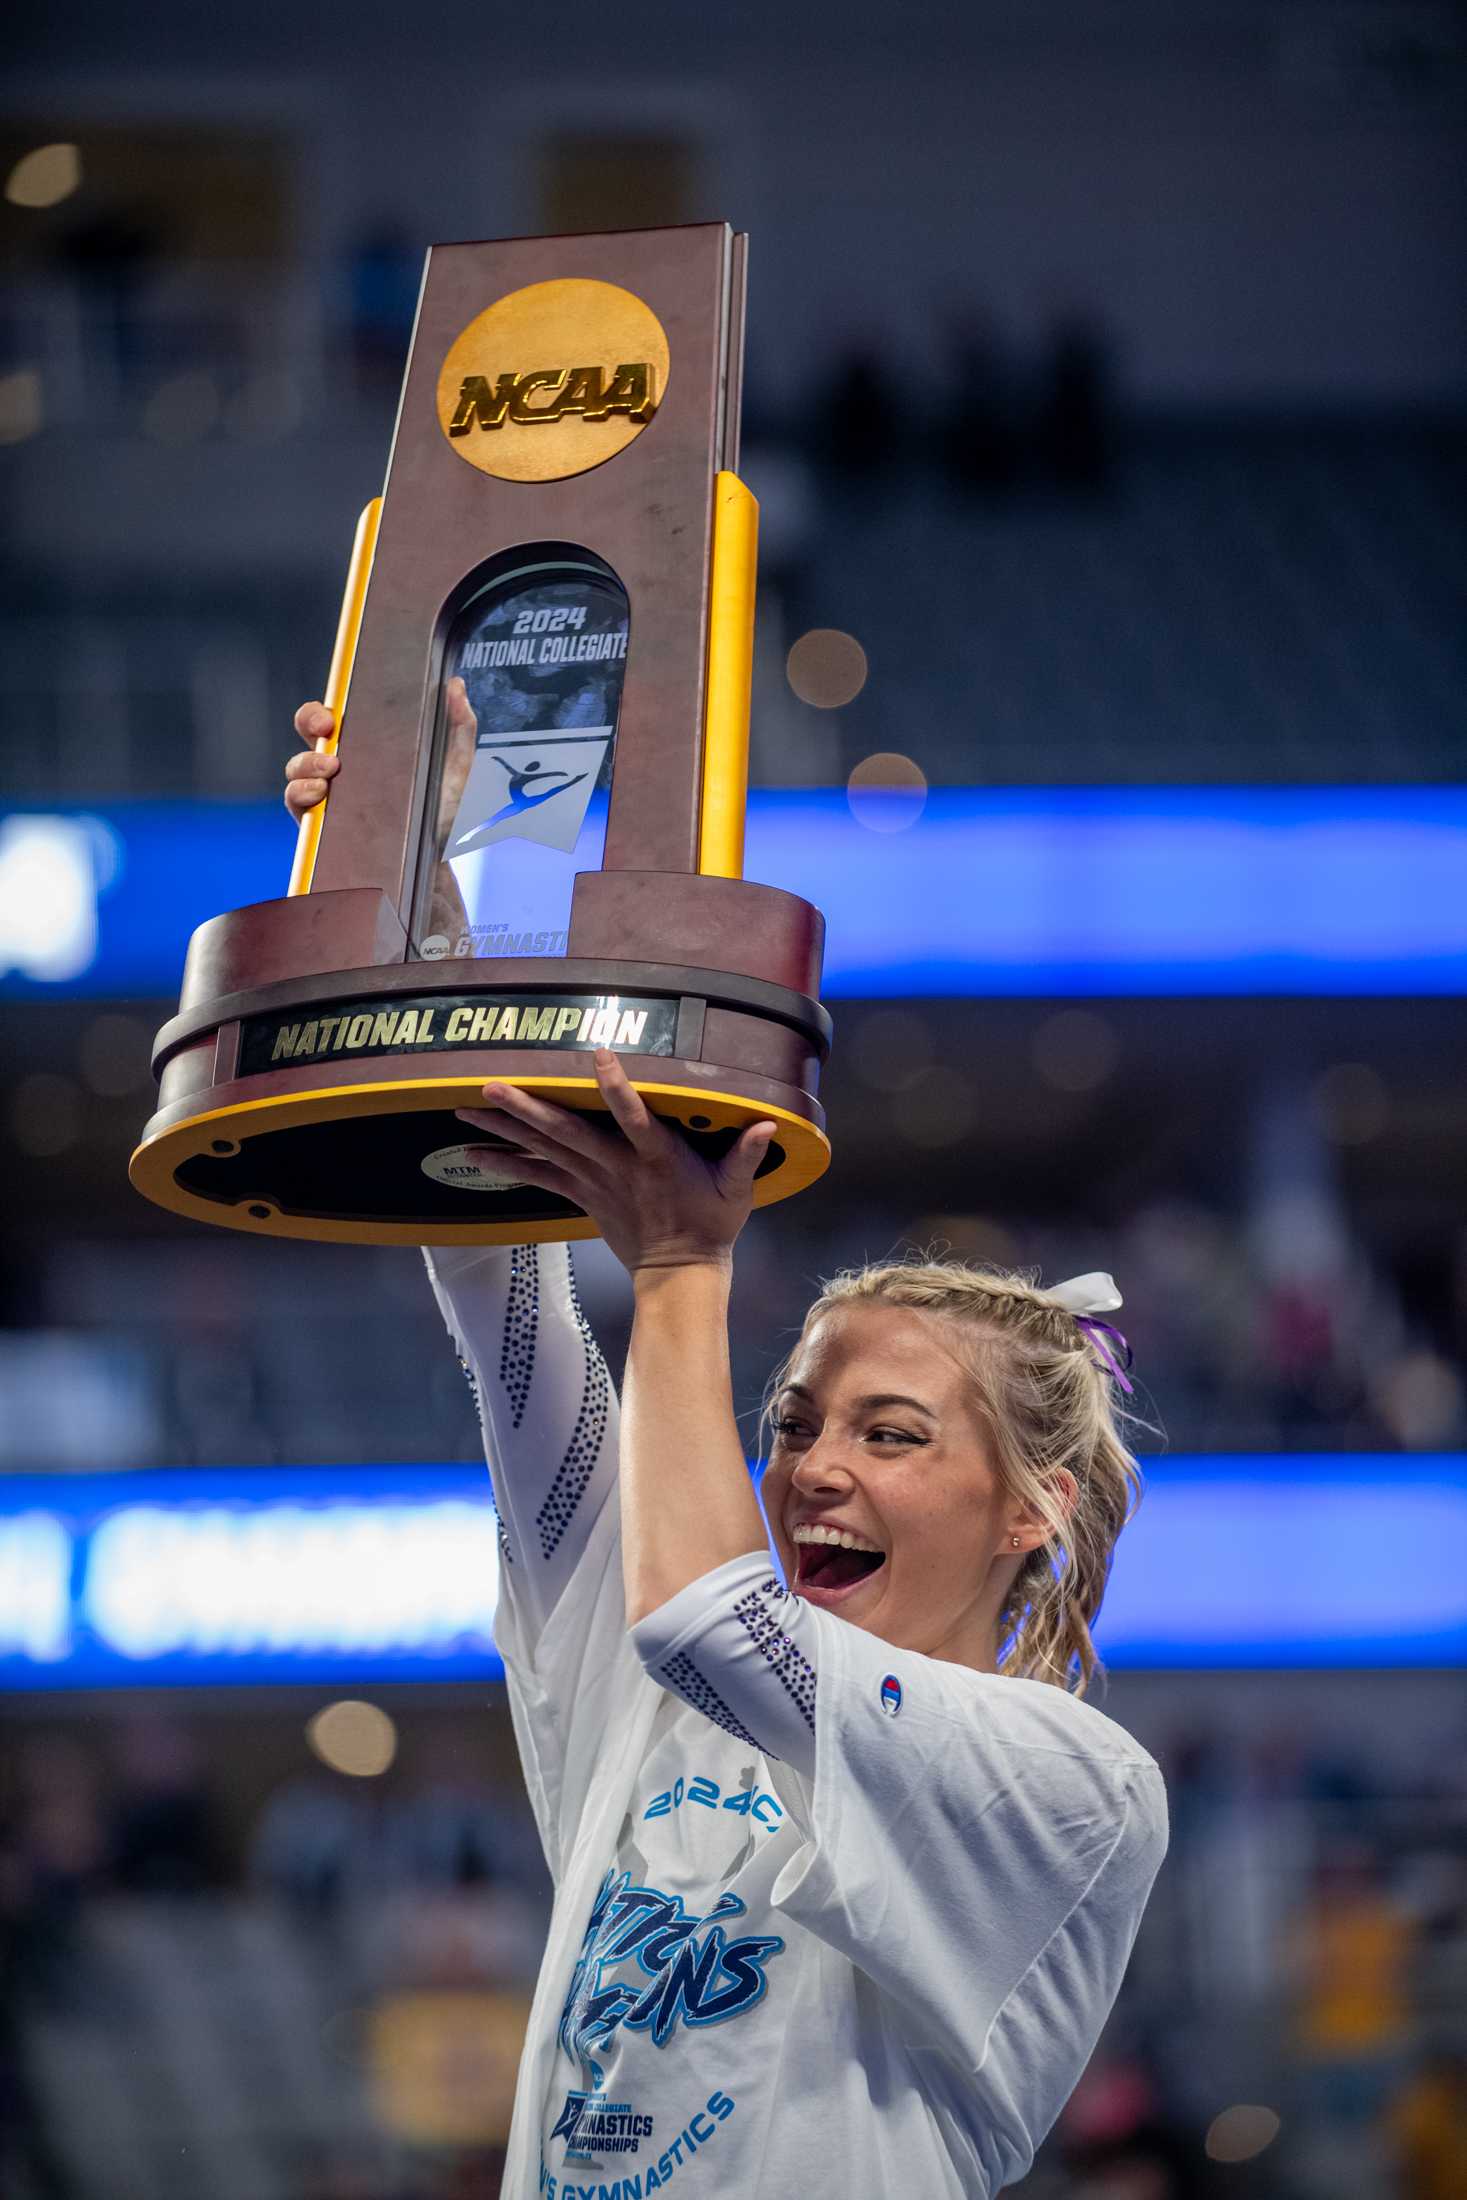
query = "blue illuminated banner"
x=360 y=1575
x=1289 y=1561
x=275 y=1575
x=1043 y=892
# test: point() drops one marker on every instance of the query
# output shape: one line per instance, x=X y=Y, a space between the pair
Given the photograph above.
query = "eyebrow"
x=875 y=1398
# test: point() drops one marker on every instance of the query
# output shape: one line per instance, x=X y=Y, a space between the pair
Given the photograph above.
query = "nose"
x=821 y=1467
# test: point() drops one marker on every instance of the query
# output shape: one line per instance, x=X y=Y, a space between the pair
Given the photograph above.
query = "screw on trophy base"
x=498 y=891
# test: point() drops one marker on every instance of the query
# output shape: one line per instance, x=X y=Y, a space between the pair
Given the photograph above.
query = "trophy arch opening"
x=517 y=800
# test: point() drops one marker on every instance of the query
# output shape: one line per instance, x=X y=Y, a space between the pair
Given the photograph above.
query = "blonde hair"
x=1046 y=1403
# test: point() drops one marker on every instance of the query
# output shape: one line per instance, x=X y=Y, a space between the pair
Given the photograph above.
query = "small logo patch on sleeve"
x=891 y=1695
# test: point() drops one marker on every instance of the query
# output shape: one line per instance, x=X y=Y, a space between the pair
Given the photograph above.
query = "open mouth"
x=827 y=1572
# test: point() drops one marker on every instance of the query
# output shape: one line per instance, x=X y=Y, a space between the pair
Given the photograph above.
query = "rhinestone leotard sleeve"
x=742 y=1651
x=546 y=1404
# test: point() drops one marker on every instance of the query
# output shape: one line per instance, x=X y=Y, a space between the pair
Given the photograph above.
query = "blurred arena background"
x=1107 y=407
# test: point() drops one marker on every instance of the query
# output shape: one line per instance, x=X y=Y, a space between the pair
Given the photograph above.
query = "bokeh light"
x=1075 y=1050
x=353 y=1737
x=891 y=1048
x=979 y=1238
x=269 y=407
x=1420 y=1397
x=45 y=177
x=115 y=1054
x=1351 y=1103
x=21 y=409
x=45 y=1114
x=936 y=1109
x=1240 y=2133
x=887 y=792
x=183 y=409
x=826 y=667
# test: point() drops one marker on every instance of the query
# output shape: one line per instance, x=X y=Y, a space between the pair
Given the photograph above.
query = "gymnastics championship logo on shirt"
x=891 y=1695
x=591 y=2126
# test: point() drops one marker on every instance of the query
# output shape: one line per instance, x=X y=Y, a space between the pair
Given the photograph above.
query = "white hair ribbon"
x=1086 y=1298
x=1093 y=1294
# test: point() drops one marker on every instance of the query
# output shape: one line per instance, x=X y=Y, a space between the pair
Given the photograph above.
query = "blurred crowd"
x=1275 y=1325
x=1001 y=415
x=1264 y=1334
x=1294 y=2024
x=359 y=1956
x=1267 y=1329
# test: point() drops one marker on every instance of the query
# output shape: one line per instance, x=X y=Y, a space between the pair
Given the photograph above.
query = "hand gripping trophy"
x=541 y=682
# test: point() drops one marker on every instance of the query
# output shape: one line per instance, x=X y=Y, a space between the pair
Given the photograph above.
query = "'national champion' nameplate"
x=441 y=1022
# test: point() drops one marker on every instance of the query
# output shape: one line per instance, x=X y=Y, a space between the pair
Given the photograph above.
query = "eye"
x=886 y=1437
x=785 y=1425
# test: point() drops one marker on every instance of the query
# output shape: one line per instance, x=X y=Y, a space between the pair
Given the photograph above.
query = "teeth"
x=842 y=1536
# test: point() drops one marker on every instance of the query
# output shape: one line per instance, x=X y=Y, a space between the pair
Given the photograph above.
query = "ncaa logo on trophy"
x=498 y=891
x=511 y=415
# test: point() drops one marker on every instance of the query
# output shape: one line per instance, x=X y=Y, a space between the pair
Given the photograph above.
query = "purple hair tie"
x=1092 y=1329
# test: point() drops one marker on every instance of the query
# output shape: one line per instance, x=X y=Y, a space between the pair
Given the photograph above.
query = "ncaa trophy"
x=563 y=529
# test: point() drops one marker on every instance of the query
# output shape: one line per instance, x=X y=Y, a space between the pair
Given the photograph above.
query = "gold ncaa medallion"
x=552 y=380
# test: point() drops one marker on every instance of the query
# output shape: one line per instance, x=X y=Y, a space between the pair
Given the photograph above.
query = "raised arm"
x=732 y=1644
x=671 y=1218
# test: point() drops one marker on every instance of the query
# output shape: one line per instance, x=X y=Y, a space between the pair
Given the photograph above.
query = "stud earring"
x=1016 y=1543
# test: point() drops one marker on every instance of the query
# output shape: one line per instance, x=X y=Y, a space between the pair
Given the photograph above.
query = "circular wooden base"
x=380 y=1163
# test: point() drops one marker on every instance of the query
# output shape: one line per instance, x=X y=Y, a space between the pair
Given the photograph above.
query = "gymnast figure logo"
x=536 y=788
x=520 y=783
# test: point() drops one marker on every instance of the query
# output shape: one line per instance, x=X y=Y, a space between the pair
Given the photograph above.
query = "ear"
x=1031 y=1526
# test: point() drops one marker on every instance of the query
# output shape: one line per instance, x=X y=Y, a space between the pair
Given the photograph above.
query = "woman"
x=841 y=1907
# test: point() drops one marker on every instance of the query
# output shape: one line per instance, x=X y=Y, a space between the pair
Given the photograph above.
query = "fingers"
x=314 y=722
x=306 y=776
x=306 y=779
x=460 y=710
x=309 y=765
x=628 y=1108
x=496 y=1162
x=514 y=1114
x=741 y=1165
x=462 y=727
x=483 y=1119
x=496 y=1120
x=508 y=1155
x=458 y=755
x=521 y=1168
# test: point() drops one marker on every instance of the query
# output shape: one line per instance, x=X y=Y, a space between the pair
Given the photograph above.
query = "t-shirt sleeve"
x=982 y=1848
x=732 y=1644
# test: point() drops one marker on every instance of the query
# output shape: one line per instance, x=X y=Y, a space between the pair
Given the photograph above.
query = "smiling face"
x=877 y=1433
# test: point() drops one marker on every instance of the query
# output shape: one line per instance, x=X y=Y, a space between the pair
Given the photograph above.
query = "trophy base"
x=324 y=1109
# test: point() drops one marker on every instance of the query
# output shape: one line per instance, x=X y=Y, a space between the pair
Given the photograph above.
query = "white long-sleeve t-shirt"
x=830 y=1916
